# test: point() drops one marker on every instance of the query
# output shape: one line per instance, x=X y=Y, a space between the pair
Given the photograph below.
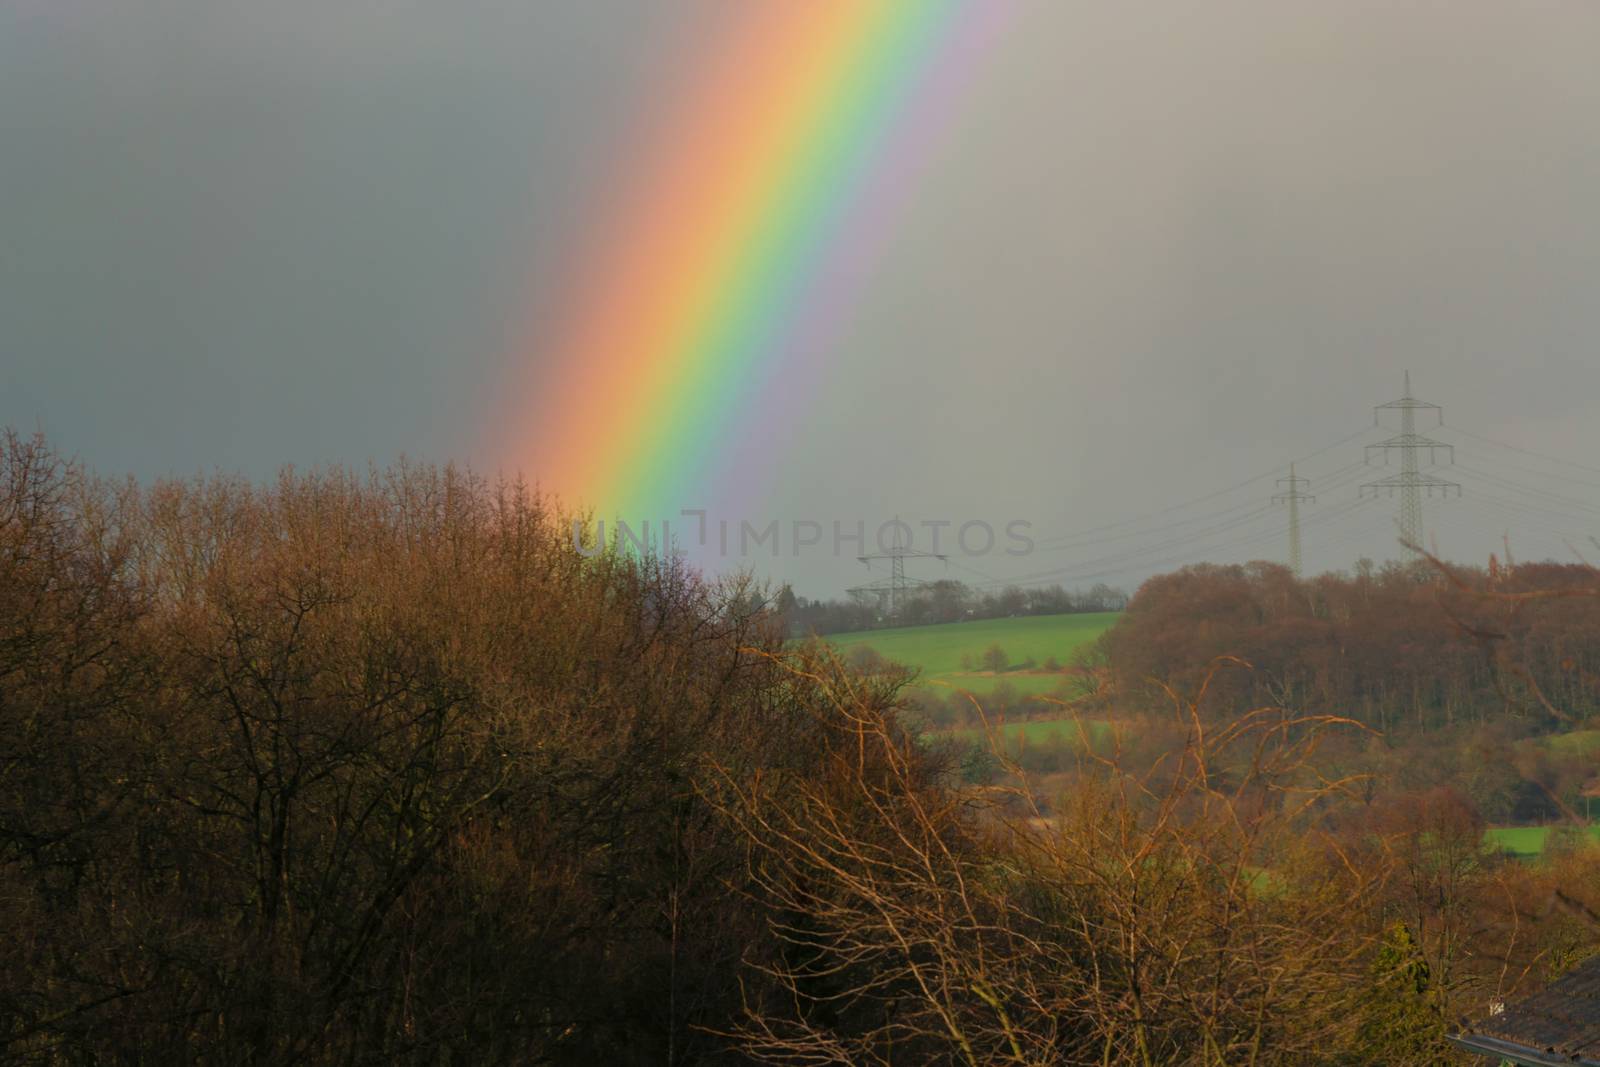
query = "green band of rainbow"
x=746 y=197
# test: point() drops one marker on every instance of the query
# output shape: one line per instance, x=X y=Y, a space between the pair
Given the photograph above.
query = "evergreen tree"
x=1401 y=1023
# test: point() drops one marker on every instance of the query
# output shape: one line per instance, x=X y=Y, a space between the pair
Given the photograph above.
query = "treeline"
x=369 y=770
x=1397 y=647
x=943 y=601
x=380 y=770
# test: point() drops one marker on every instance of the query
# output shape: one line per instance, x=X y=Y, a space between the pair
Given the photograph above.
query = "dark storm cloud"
x=1163 y=247
x=239 y=233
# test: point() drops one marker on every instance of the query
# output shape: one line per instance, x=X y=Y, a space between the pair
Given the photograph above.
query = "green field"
x=1574 y=742
x=1525 y=842
x=936 y=651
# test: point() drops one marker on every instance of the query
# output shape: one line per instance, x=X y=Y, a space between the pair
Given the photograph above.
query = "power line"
x=1192 y=557
x=1351 y=472
x=1526 y=516
x=895 y=588
x=1141 y=556
x=1410 y=483
x=1230 y=530
x=1542 y=495
x=1524 y=451
x=1073 y=535
x=1327 y=517
x=989 y=578
x=1526 y=506
x=1354 y=472
x=1486 y=457
x=1112 y=565
x=1511 y=517
x=1293 y=496
x=1061 y=544
x=1134 y=554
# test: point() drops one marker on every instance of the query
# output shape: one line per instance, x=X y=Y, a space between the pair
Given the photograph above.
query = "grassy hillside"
x=1527 y=842
x=1574 y=742
x=938 y=650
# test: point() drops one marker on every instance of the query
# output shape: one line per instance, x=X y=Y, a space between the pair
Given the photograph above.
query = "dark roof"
x=1560 y=1025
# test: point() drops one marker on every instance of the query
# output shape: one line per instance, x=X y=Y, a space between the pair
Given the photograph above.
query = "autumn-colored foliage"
x=379 y=769
x=1400 y=647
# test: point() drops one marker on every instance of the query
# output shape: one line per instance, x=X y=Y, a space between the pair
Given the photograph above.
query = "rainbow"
x=750 y=217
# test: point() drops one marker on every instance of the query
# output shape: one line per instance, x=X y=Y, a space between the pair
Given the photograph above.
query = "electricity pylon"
x=1410 y=482
x=1293 y=496
x=894 y=588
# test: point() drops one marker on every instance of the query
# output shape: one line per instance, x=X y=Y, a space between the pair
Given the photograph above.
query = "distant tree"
x=1090 y=669
x=979 y=765
x=1400 y=1025
x=1379 y=647
x=865 y=658
x=947 y=600
x=1441 y=877
x=995 y=658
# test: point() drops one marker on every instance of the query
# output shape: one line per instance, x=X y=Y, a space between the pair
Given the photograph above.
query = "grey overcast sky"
x=1161 y=249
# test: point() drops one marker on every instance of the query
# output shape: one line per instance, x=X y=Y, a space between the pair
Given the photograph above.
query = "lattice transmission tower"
x=1411 y=482
x=891 y=592
x=1293 y=495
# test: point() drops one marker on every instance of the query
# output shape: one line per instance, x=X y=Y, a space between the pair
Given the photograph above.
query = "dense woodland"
x=378 y=769
x=1472 y=678
x=1399 y=648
